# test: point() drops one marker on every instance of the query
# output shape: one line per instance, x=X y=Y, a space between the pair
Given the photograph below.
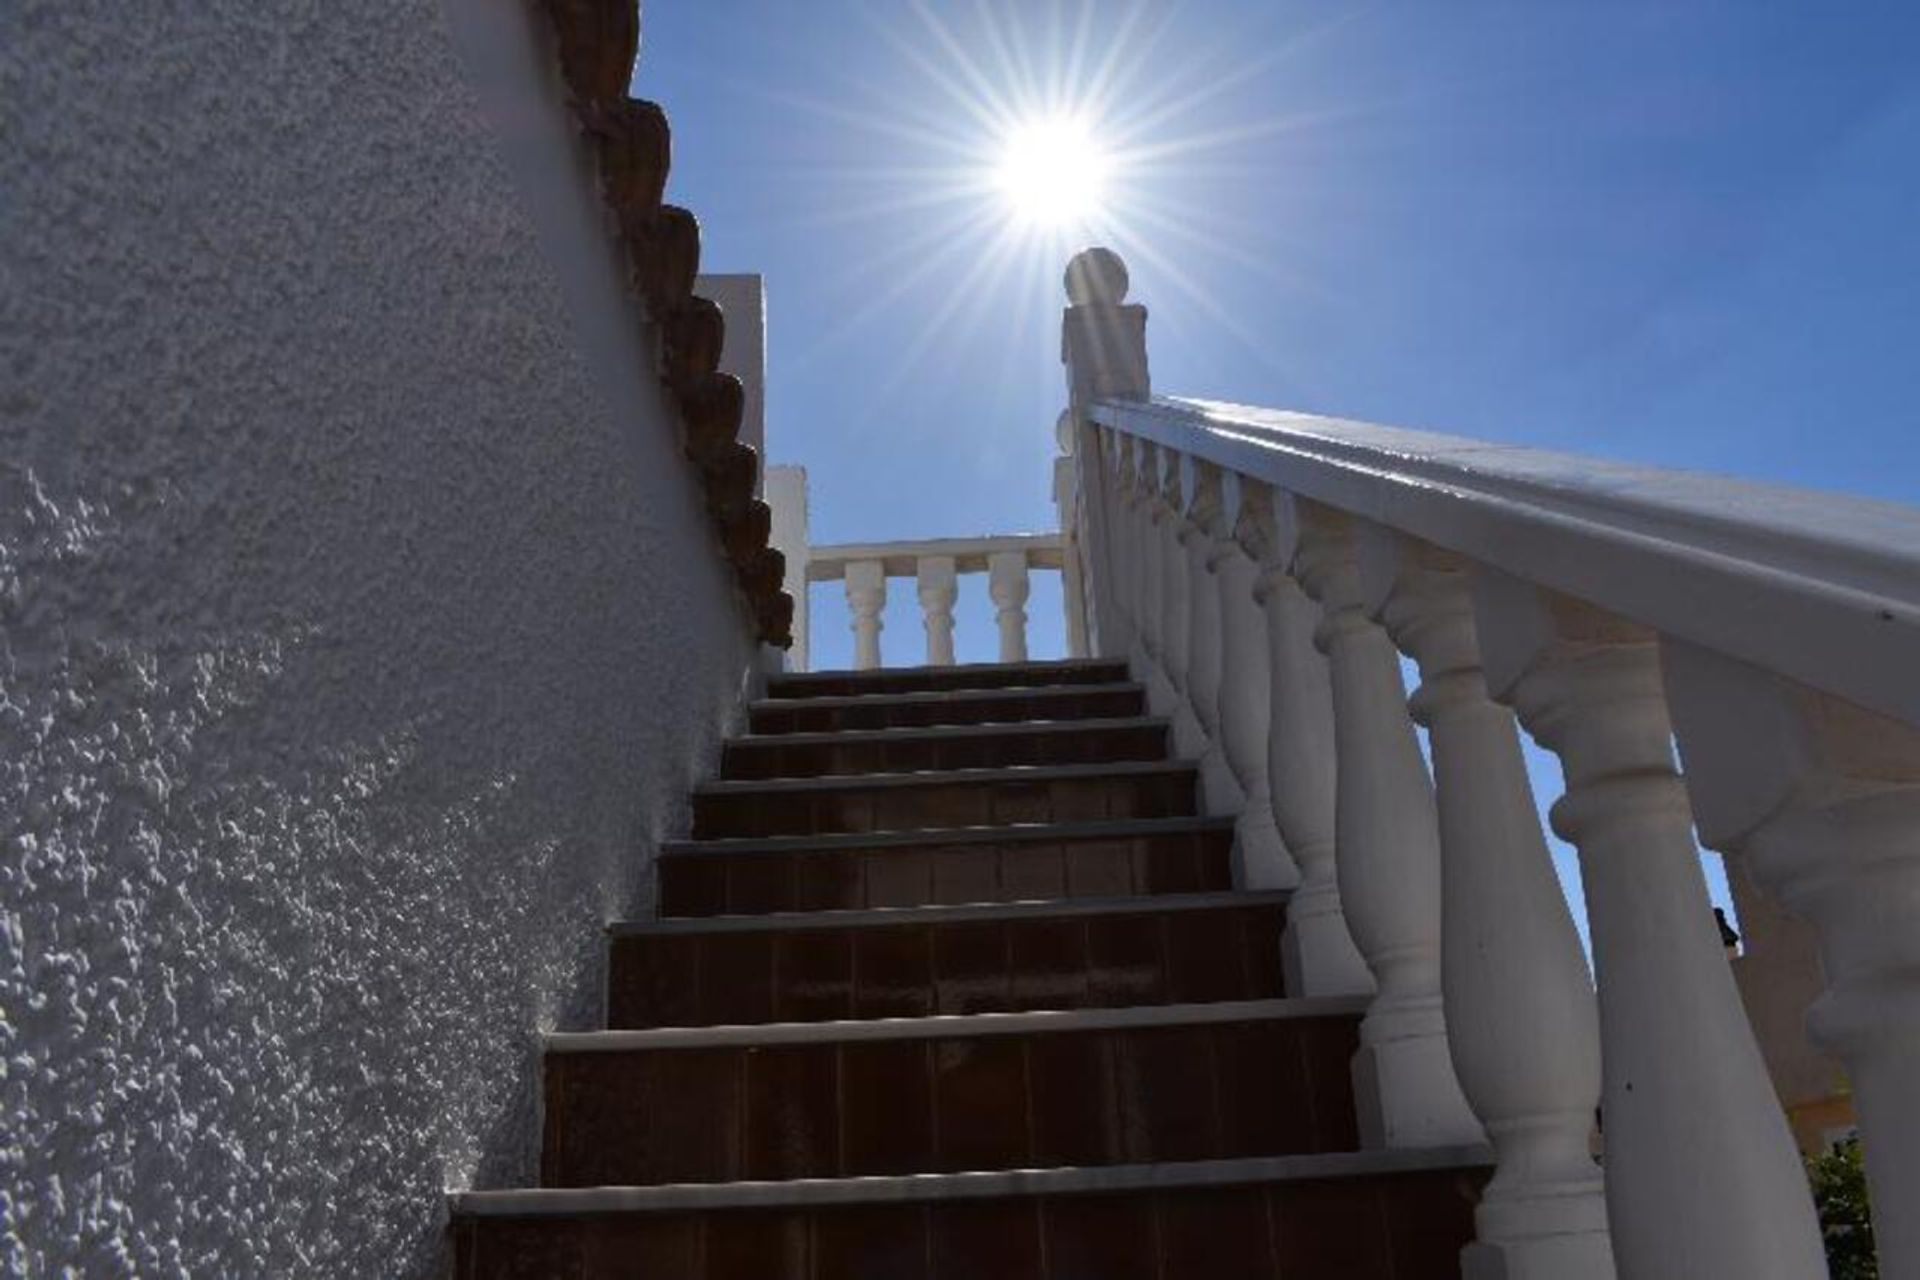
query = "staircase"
x=952 y=981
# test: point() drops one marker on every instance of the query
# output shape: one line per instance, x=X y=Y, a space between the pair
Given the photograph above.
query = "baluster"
x=1153 y=512
x=1524 y=1031
x=1265 y=862
x=1821 y=799
x=1007 y=584
x=1072 y=503
x=866 y=597
x=1389 y=852
x=1176 y=612
x=1200 y=490
x=1317 y=948
x=1702 y=1176
x=939 y=588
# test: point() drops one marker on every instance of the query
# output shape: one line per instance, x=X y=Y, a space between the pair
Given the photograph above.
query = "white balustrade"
x=1587 y=598
x=936 y=566
x=866 y=597
x=1007 y=584
x=939 y=587
x=1264 y=861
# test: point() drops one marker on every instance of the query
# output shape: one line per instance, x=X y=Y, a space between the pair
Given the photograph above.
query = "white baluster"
x=1200 y=501
x=1176 y=612
x=1389 y=853
x=1524 y=1031
x=1317 y=948
x=1007 y=584
x=1822 y=801
x=866 y=597
x=1701 y=1172
x=939 y=587
x=1246 y=705
x=1072 y=503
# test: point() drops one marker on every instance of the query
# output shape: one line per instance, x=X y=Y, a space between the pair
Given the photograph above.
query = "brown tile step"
x=924 y=961
x=1372 y=1215
x=965 y=706
x=1046 y=861
x=973 y=675
x=948 y=798
x=974 y=746
x=944 y=1095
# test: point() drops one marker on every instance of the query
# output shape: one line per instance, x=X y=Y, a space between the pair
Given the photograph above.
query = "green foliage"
x=1840 y=1192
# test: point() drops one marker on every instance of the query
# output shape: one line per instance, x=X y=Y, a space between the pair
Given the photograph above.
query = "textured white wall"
x=359 y=628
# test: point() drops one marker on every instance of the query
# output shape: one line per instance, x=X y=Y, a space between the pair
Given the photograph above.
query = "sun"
x=1053 y=172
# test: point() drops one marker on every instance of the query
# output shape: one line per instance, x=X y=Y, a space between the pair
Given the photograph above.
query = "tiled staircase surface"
x=952 y=981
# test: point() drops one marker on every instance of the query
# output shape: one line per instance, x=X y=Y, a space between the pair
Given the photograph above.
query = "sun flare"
x=1053 y=172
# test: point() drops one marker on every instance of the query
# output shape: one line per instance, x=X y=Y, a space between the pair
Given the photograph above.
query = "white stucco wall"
x=360 y=630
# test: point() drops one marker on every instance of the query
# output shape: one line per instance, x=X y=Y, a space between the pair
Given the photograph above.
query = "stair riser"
x=1092 y=704
x=931 y=679
x=855 y=807
x=713 y=883
x=952 y=967
x=773 y=758
x=1407 y=1227
x=1206 y=1091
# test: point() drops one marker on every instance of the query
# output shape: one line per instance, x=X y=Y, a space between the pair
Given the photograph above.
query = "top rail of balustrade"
x=1822 y=588
x=827 y=563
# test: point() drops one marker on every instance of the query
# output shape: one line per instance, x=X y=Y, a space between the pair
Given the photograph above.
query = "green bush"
x=1846 y=1221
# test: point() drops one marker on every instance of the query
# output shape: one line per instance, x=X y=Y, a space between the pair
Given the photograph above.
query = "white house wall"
x=360 y=628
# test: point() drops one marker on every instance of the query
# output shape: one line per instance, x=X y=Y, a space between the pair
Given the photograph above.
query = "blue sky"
x=1672 y=234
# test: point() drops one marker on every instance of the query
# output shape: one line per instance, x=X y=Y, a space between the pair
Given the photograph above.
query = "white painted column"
x=1702 y=1176
x=1822 y=800
x=1200 y=501
x=1007 y=585
x=939 y=587
x=866 y=597
x=1317 y=949
x=1525 y=1034
x=1246 y=704
x=1389 y=853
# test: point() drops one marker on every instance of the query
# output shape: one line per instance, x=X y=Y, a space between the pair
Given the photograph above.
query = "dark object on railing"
x=598 y=41
x=693 y=334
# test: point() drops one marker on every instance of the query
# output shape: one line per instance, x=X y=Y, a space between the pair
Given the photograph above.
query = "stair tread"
x=969 y=671
x=938 y=777
x=911 y=733
x=1062 y=691
x=1319 y=1166
x=953 y=1025
x=884 y=917
x=1110 y=828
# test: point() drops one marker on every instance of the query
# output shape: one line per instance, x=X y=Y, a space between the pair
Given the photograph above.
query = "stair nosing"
x=981 y=729
x=952 y=1026
x=980 y=1185
x=986 y=834
x=941 y=695
x=937 y=777
x=933 y=913
x=1042 y=665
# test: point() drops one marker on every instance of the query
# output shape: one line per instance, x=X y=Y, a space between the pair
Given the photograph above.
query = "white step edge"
x=939 y=777
x=954 y=1025
x=881 y=917
x=949 y=695
x=994 y=1184
x=1039 y=666
x=911 y=732
x=1109 y=828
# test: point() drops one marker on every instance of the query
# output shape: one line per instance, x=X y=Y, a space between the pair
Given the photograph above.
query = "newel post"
x=1702 y=1176
x=1103 y=344
x=1520 y=1009
x=1822 y=800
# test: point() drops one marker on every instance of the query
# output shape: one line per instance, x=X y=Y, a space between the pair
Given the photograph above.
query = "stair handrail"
x=1615 y=611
